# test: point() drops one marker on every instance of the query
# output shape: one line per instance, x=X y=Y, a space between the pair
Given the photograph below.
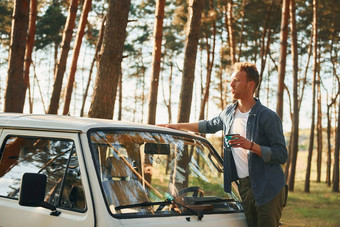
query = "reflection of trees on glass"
x=46 y=156
x=138 y=167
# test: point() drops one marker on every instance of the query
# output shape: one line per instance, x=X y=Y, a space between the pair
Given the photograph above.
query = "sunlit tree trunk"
x=76 y=50
x=319 y=130
x=29 y=48
x=230 y=29
x=210 y=64
x=109 y=65
x=193 y=35
x=315 y=65
x=329 y=133
x=265 y=43
x=15 y=90
x=335 y=187
x=95 y=58
x=329 y=106
x=283 y=55
x=156 y=60
x=168 y=102
x=61 y=67
x=143 y=92
x=295 y=120
x=242 y=29
x=120 y=96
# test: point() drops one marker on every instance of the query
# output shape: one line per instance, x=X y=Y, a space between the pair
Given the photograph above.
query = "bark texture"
x=109 y=64
x=15 y=91
x=193 y=35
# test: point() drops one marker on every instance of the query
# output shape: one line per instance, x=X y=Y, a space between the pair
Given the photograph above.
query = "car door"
x=58 y=156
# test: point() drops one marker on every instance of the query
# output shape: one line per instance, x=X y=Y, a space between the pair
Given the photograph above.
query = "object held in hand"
x=229 y=137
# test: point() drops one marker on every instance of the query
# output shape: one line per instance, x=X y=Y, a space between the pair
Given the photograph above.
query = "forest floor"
x=320 y=207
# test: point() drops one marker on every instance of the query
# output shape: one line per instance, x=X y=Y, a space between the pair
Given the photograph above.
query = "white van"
x=68 y=171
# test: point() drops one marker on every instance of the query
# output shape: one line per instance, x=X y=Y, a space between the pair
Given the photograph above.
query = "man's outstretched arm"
x=193 y=127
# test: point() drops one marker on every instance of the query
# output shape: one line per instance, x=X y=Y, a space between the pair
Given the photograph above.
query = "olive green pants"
x=268 y=214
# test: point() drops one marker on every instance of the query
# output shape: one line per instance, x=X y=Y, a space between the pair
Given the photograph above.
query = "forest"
x=170 y=61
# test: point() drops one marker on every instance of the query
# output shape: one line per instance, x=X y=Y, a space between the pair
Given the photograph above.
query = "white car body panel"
x=97 y=213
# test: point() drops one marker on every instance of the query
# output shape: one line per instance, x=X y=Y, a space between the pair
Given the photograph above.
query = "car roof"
x=70 y=123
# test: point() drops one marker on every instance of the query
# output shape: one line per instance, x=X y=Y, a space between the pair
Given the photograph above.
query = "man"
x=254 y=156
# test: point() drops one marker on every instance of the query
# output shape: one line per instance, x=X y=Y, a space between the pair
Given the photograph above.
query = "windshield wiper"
x=169 y=200
x=143 y=204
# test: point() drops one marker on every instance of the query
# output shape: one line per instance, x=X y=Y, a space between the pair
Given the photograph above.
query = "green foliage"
x=329 y=23
x=49 y=26
x=256 y=12
x=6 y=8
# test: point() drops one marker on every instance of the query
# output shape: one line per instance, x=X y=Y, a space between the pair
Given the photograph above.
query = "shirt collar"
x=254 y=109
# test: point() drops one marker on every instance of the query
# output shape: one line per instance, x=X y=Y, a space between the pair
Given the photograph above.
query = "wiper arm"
x=143 y=204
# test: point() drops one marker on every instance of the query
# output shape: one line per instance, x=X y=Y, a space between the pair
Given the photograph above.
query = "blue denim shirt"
x=264 y=127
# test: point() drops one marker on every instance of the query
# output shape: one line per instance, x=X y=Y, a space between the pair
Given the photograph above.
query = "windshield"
x=149 y=173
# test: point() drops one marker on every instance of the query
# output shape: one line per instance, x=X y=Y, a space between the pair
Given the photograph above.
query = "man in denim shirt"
x=253 y=158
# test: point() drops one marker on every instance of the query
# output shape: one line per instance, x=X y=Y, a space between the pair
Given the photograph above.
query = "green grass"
x=321 y=207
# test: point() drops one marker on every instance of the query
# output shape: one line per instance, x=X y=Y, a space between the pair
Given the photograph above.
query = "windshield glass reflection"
x=147 y=173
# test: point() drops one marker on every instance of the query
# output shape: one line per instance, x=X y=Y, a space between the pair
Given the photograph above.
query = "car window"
x=56 y=158
x=146 y=173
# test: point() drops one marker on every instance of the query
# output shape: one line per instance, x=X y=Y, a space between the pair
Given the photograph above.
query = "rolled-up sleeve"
x=211 y=126
x=277 y=151
x=202 y=126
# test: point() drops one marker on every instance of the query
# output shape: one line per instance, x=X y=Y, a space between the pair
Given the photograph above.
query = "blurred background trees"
x=124 y=68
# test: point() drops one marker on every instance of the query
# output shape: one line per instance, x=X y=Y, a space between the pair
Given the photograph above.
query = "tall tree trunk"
x=120 y=96
x=329 y=106
x=143 y=91
x=242 y=29
x=335 y=187
x=15 y=91
x=61 y=67
x=302 y=92
x=329 y=149
x=156 y=60
x=230 y=29
x=167 y=103
x=210 y=64
x=135 y=100
x=95 y=58
x=311 y=139
x=170 y=89
x=29 y=47
x=319 y=130
x=109 y=66
x=295 y=123
x=56 y=47
x=221 y=79
x=283 y=55
x=76 y=50
x=265 y=46
x=193 y=35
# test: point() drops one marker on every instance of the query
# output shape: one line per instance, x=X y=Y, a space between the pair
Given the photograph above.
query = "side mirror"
x=32 y=192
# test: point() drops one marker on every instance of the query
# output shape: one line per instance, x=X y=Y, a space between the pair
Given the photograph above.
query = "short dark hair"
x=250 y=69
